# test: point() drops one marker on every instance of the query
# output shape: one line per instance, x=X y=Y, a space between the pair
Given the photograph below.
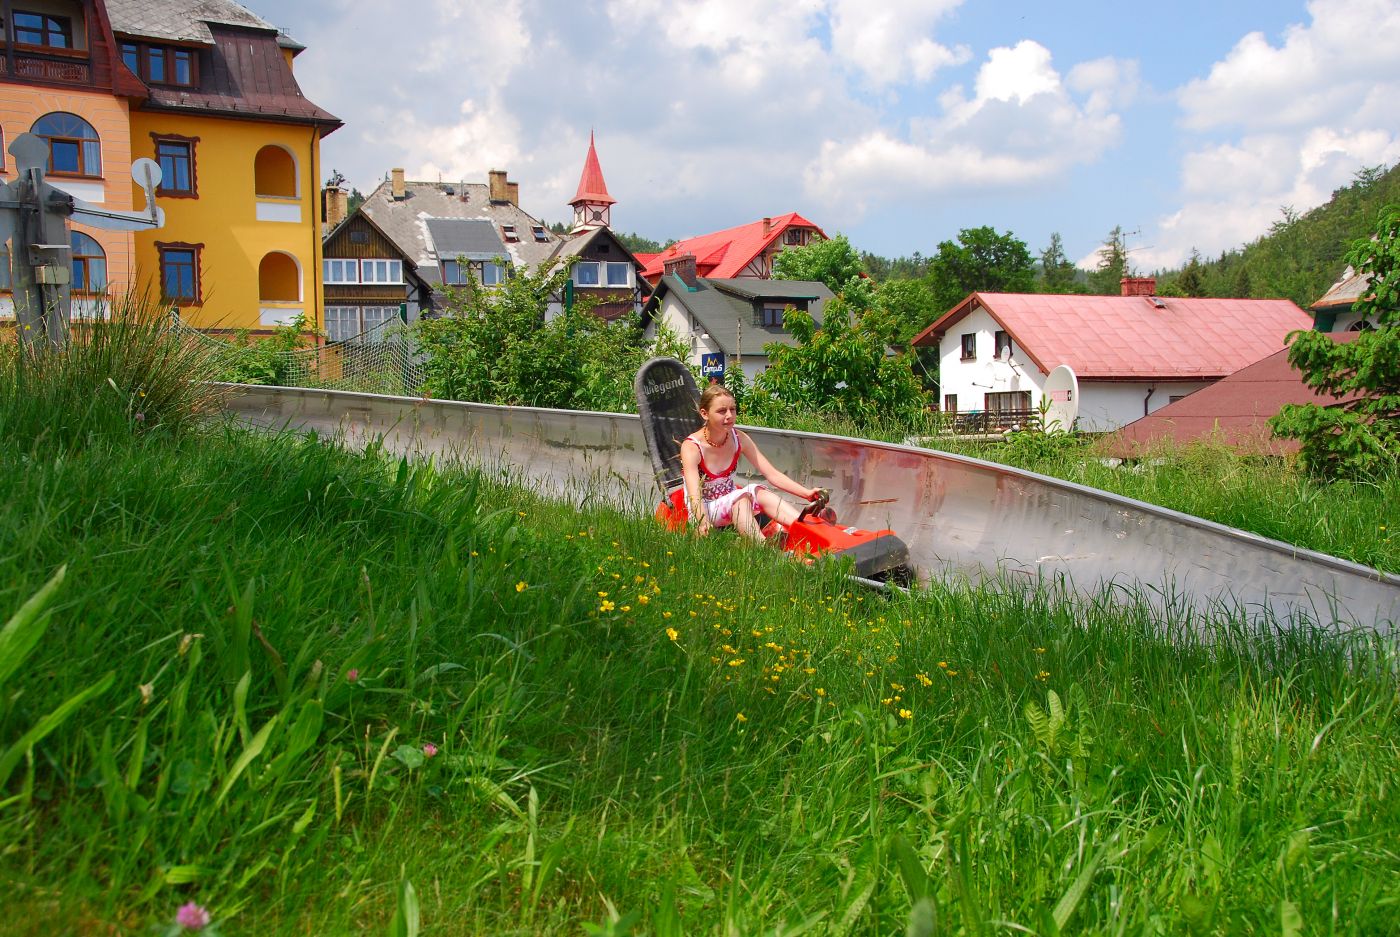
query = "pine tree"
x=1057 y=272
x=1113 y=264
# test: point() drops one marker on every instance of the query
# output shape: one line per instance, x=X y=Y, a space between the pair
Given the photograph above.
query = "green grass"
x=227 y=694
x=586 y=761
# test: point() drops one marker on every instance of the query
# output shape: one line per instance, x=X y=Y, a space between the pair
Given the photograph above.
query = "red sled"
x=668 y=402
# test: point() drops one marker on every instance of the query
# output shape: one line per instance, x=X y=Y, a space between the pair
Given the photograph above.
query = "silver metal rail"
x=988 y=523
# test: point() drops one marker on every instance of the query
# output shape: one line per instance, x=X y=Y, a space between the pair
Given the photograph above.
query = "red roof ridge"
x=591 y=187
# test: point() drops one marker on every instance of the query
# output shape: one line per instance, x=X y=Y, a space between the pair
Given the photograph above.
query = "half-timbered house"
x=368 y=280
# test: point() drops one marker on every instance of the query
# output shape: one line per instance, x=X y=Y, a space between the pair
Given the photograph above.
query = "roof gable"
x=727 y=316
x=724 y=254
x=1134 y=337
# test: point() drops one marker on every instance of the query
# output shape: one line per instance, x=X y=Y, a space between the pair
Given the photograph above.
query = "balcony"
x=984 y=422
x=54 y=68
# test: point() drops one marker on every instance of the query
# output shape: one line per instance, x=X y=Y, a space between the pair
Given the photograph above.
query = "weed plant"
x=285 y=681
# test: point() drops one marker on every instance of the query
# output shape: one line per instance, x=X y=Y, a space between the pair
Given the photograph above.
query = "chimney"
x=767 y=226
x=337 y=202
x=1138 y=286
x=513 y=193
x=396 y=185
x=500 y=189
x=683 y=266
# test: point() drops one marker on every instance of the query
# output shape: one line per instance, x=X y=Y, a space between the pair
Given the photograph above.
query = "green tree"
x=910 y=304
x=1057 y=272
x=1106 y=280
x=641 y=245
x=983 y=260
x=494 y=346
x=843 y=367
x=1191 y=282
x=833 y=262
x=1360 y=435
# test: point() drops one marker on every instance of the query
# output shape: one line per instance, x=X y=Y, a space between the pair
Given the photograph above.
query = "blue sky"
x=896 y=123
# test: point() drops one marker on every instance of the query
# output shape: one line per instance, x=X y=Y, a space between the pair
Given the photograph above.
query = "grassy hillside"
x=1302 y=255
x=312 y=690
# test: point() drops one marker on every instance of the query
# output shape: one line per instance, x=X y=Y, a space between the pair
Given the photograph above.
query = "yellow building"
x=205 y=88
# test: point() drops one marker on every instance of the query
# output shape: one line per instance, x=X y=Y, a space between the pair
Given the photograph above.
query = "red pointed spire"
x=591 y=187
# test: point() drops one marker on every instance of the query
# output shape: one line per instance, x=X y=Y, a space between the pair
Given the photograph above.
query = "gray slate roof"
x=184 y=20
x=724 y=307
x=406 y=223
x=472 y=238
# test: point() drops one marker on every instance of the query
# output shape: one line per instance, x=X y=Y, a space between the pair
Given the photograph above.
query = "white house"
x=1132 y=353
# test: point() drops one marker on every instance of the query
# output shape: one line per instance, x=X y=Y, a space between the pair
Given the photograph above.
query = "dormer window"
x=161 y=65
x=795 y=237
x=43 y=29
x=539 y=233
x=508 y=234
x=770 y=315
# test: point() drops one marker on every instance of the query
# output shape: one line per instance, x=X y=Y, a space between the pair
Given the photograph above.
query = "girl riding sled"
x=713 y=453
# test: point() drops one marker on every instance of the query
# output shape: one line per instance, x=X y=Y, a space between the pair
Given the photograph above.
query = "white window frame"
x=391 y=270
x=460 y=267
x=337 y=314
x=591 y=265
x=492 y=273
x=344 y=264
x=612 y=267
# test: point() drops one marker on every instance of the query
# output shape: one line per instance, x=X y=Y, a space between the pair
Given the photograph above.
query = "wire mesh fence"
x=380 y=360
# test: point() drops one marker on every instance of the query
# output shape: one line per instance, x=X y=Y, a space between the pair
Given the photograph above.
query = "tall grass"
x=325 y=692
x=287 y=626
x=121 y=373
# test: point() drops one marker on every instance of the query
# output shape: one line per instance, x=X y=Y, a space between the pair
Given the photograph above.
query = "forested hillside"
x=1301 y=256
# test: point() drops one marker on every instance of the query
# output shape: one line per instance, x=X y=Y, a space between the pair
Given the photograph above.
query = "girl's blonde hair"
x=713 y=391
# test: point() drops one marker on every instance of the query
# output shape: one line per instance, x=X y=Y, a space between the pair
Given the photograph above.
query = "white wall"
x=1103 y=405
x=1107 y=405
x=679 y=321
x=973 y=380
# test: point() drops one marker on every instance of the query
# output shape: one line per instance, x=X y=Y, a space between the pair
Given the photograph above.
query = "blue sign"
x=712 y=364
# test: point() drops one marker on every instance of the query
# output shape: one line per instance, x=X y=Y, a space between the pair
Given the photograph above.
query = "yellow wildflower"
x=607 y=606
x=741 y=717
x=665 y=614
x=905 y=714
x=736 y=662
x=521 y=586
x=672 y=633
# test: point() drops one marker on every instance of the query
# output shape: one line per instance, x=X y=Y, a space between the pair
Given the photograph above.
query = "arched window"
x=279 y=280
x=74 y=147
x=89 y=264
x=275 y=172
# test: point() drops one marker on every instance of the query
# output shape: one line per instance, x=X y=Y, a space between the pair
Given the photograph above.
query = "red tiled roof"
x=724 y=254
x=1234 y=410
x=644 y=259
x=1129 y=337
x=591 y=187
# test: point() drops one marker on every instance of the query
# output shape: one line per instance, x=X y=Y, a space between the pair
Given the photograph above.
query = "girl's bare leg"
x=776 y=508
x=744 y=520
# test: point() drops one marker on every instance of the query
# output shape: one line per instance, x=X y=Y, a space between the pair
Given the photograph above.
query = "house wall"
x=1103 y=405
x=1107 y=405
x=20 y=107
x=678 y=320
x=236 y=225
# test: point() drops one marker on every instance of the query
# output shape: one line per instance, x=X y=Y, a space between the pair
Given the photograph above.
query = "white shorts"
x=721 y=509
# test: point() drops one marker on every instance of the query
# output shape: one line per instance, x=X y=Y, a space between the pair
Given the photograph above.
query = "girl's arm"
x=776 y=478
x=690 y=472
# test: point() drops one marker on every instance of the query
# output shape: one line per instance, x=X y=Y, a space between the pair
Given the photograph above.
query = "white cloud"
x=1321 y=69
x=891 y=41
x=1020 y=126
x=1297 y=121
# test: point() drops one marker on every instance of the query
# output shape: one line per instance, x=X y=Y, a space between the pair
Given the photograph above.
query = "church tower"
x=591 y=203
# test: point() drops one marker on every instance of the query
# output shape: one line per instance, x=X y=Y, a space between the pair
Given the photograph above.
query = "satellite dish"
x=1062 y=394
x=1004 y=356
